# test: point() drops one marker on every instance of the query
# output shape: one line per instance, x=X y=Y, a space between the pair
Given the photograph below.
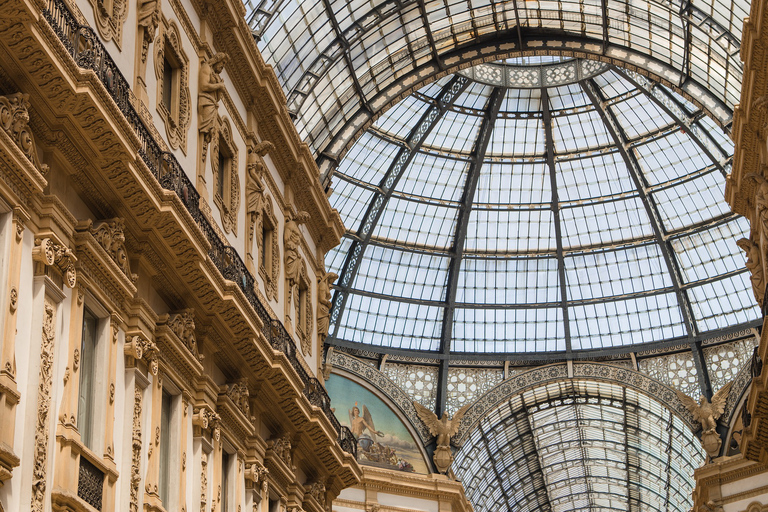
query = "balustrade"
x=88 y=52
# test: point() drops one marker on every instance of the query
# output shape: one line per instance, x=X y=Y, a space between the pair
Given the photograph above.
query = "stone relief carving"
x=317 y=491
x=203 y=481
x=39 y=472
x=205 y=419
x=255 y=473
x=176 y=123
x=281 y=447
x=291 y=241
x=210 y=86
x=111 y=236
x=49 y=253
x=183 y=325
x=138 y=348
x=755 y=265
x=14 y=119
x=110 y=17
x=324 y=304
x=240 y=396
x=148 y=16
x=136 y=452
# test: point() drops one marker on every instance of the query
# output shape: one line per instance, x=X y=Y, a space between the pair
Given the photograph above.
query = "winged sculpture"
x=358 y=424
x=706 y=412
x=443 y=428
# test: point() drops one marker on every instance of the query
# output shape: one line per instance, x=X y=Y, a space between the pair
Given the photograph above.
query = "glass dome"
x=551 y=205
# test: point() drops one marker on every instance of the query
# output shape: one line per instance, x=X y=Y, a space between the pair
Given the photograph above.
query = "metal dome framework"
x=579 y=445
x=455 y=159
x=343 y=63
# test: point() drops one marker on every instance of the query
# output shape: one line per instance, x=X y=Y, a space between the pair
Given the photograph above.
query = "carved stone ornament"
x=270 y=276
x=281 y=447
x=317 y=491
x=205 y=419
x=203 y=481
x=324 y=305
x=111 y=236
x=755 y=265
x=291 y=242
x=49 y=253
x=137 y=348
x=240 y=396
x=255 y=473
x=177 y=122
x=14 y=299
x=39 y=472
x=14 y=119
x=210 y=91
x=110 y=17
x=183 y=325
x=148 y=17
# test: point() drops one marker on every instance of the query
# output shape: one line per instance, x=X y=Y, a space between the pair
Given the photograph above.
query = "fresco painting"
x=382 y=439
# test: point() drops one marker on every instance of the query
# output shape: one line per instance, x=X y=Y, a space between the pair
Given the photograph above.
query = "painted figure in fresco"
x=358 y=424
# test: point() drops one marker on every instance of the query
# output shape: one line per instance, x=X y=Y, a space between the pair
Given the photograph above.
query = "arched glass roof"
x=579 y=445
x=342 y=62
x=553 y=205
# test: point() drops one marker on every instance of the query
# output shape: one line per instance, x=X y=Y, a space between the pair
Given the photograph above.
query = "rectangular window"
x=266 y=248
x=221 y=177
x=166 y=412
x=225 y=463
x=88 y=368
x=168 y=85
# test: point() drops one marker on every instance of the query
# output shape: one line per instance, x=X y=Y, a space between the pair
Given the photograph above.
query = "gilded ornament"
x=443 y=428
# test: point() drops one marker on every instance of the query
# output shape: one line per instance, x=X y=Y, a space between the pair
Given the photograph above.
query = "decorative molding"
x=182 y=324
x=240 y=396
x=136 y=451
x=40 y=471
x=110 y=16
x=176 y=127
x=228 y=206
x=148 y=19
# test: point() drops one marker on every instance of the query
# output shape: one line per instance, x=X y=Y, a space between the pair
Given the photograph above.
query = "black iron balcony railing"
x=88 y=52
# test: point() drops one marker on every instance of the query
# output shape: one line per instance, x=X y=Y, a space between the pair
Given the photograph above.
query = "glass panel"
x=88 y=368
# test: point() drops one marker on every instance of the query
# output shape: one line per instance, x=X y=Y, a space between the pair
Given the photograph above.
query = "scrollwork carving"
x=136 y=452
x=138 y=348
x=205 y=419
x=148 y=19
x=49 y=253
x=14 y=119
